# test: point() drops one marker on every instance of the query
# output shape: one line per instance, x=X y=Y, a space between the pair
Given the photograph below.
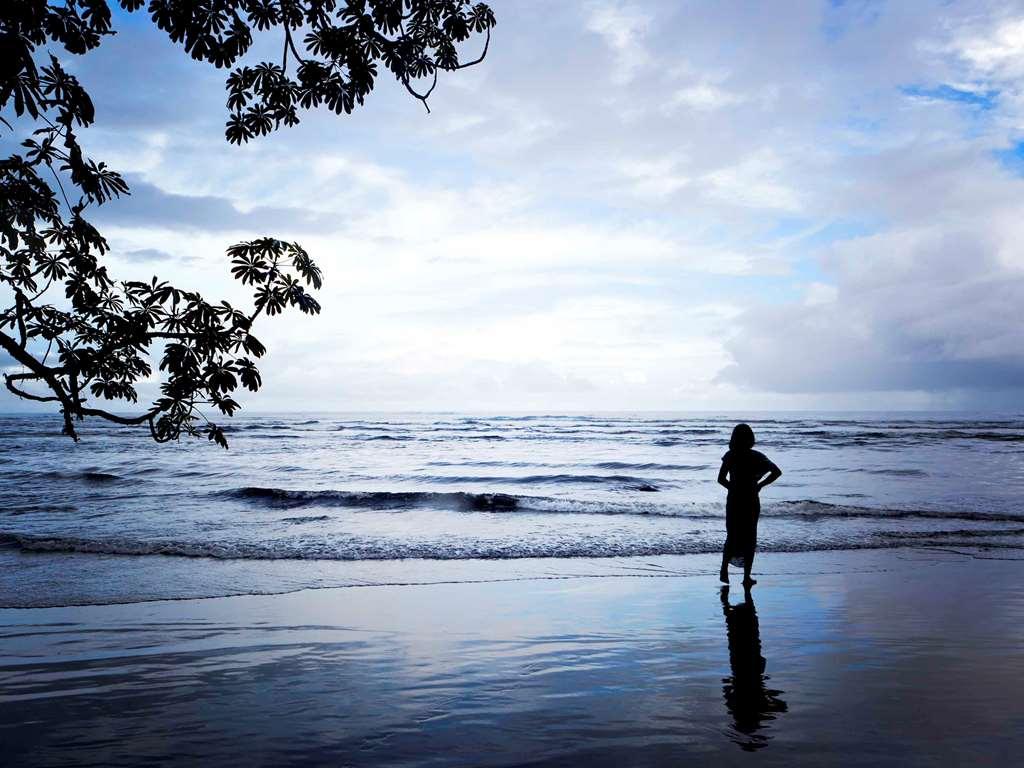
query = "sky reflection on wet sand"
x=876 y=657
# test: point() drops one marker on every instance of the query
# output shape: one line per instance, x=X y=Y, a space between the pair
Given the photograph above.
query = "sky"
x=628 y=205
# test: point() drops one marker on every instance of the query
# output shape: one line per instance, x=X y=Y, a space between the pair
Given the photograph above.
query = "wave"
x=364 y=549
x=642 y=466
x=86 y=476
x=623 y=482
x=891 y=433
x=649 y=466
x=811 y=509
x=495 y=463
x=19 y=509
x=660 y=432
x=396 y=432
x=382 y=500
x=800 y=509
x=892 y=472
x=100 y=477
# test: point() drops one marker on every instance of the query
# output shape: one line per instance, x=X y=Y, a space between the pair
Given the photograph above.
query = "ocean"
x=317 y=500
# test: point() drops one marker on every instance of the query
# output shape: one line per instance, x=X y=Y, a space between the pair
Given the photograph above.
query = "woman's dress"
x=742 y=505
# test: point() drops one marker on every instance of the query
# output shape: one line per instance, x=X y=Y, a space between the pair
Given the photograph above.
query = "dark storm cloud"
x=814 y=369
x=927 y=310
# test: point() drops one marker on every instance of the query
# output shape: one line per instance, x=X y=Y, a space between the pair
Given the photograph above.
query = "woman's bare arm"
x=774 y=473
x=722 y=475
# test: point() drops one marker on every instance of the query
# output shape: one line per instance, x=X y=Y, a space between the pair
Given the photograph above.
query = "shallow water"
x=297 y=493
x=856 y=658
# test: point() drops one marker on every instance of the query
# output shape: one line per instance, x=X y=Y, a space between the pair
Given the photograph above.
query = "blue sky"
x=664 y=205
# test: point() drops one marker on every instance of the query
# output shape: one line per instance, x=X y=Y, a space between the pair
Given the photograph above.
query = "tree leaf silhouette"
x=98 y=342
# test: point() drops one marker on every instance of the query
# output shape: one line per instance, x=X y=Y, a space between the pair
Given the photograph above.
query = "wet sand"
x=845 y=658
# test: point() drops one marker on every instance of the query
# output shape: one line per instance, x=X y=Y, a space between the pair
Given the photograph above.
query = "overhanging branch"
x=10 y=378
x=483 y=55
x=16 y=351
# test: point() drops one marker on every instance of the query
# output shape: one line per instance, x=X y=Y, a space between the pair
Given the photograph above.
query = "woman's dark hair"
x=742 y=438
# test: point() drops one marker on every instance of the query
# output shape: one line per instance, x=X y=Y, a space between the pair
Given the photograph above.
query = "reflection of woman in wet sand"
x=749 y=702
x=744 y=473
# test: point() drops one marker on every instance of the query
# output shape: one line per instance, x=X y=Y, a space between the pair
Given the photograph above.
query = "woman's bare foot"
x=723 y=576
x=749 y=582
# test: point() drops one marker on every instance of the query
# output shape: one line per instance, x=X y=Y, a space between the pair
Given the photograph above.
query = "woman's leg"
x=723 y=575
x=748 y=564
x=748 y=561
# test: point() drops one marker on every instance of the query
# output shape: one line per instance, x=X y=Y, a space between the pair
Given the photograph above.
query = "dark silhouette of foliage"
x=96 y=340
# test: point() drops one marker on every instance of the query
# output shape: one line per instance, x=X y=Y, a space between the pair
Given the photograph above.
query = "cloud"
x=145 y=255
x=925 y=309
x=754 y=181
x=623 y=27
x=627 y=205
x=704 y=96
x=150 y=206
x=996 y=48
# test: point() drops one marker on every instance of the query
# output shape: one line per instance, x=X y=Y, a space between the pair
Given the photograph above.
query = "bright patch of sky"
x=650 y=205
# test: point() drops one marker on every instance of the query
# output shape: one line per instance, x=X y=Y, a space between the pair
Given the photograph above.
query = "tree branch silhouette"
x=106 y=332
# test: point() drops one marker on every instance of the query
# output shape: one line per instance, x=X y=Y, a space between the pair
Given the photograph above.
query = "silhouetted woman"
x=743 y=473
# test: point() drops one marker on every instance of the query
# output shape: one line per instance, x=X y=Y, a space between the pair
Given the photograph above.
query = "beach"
x=910 y=657
x=391 y=384
x=498 y=590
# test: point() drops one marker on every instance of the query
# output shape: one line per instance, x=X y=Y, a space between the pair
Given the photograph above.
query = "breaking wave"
x=806 y=509
x=360 y=548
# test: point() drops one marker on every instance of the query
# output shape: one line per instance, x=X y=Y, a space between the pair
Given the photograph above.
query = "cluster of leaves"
x=102 y=338
x=341 y=46
x=96 y=340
